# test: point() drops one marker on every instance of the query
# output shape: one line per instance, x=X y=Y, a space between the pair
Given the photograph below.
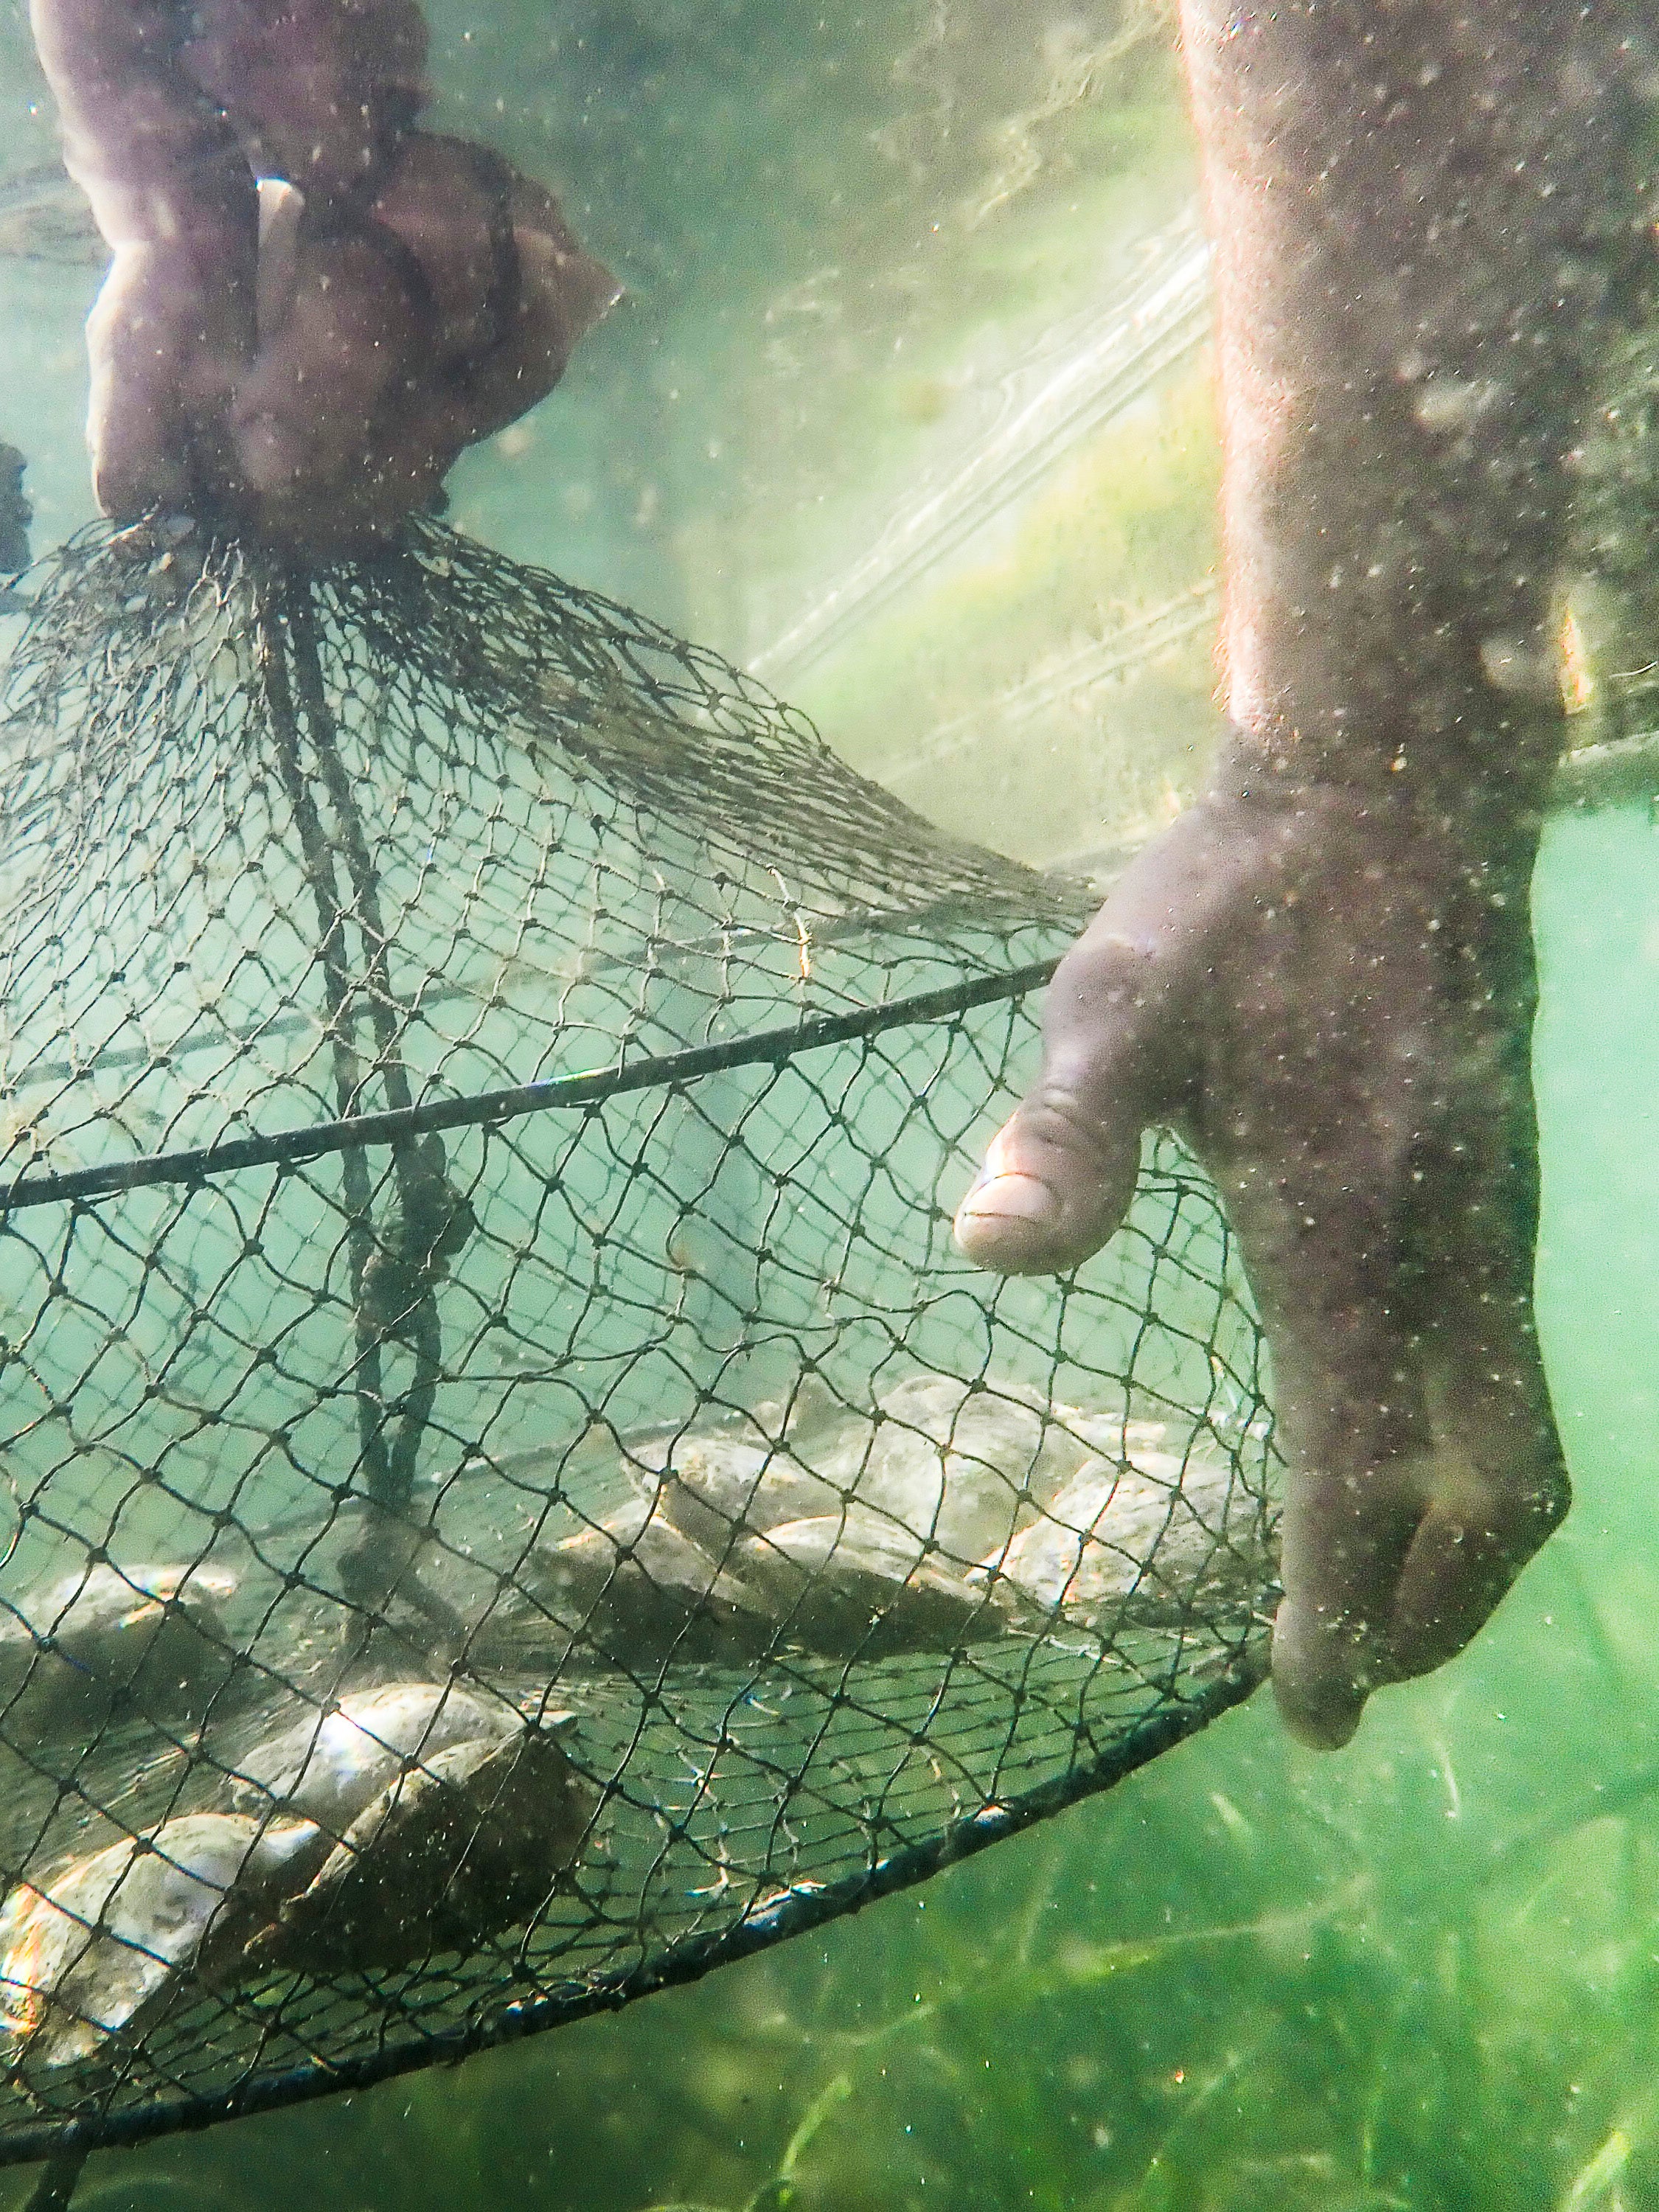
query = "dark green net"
x=515 y=1497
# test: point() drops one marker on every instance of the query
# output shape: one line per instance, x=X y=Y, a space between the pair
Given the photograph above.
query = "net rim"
x=293 y=1146
x=737 y=736
x=799 y=1911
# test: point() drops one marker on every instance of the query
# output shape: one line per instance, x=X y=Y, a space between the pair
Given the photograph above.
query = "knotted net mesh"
x=513 y=1497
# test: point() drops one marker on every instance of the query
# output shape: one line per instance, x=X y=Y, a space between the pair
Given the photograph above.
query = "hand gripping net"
x=515 y=1498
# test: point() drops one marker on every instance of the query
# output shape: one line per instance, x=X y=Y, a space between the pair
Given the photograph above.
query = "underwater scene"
x=903 y=411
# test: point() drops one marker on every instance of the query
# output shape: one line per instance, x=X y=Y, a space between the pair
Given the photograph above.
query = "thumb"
x=1059 y=1174
x=1123 y=1031
x=282 y=210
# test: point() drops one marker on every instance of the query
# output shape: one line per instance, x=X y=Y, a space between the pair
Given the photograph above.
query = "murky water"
x=860 y=250
x=1418 y=1972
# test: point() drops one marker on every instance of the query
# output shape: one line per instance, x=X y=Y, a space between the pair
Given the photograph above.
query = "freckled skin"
x=1431 y=219
x=424 y=294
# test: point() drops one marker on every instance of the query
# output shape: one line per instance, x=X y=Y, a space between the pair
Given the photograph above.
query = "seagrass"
x=483 y=1091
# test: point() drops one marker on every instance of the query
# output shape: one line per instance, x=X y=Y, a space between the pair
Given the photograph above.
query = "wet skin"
x=1431 y=220
x=410 y=293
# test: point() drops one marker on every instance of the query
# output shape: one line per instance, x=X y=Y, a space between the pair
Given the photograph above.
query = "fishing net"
x=513 y=1498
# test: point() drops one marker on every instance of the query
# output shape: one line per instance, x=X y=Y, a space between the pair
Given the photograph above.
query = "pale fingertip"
x=587 y=291
x=282 y=210
x=1012 y=1197
x=1007 y=1223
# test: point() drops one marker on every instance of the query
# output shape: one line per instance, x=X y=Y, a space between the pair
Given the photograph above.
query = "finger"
x=136 y=424
x=1500 y=1483
x=1057 y=1182
x=443 y=202
x=511 y=291
x=1059 y=1174
x=172 y=196
x=1469 y=1547
x=154 y=157
x=165 y=343
x=1354 y=1429
x=282 y=213
x=1318 y=1220
x=1425 y=1465
x=1346 y=1537
x=306 y=414
x=562 y=292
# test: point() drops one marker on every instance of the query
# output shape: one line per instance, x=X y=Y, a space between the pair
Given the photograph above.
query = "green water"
x=1420 y=1974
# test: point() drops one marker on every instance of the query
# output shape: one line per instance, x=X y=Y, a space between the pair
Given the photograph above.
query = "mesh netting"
x=515 y=1497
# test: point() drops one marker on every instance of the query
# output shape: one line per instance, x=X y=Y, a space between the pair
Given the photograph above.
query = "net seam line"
x=289 y=1147
x=794 y=1914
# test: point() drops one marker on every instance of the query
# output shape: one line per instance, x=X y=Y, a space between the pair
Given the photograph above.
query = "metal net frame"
x=514 y=1498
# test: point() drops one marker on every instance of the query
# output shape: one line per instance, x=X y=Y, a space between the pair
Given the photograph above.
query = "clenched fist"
x=312 y=306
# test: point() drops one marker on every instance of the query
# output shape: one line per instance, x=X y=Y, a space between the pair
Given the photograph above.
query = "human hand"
x=1330 y=995
x=311 y=376
x=389 y=342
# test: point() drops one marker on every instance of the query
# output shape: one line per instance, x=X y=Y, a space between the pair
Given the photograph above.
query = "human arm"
x=175 y=200
x=1429 y=222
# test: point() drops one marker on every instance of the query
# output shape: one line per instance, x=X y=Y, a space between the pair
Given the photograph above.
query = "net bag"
x=513 y=1498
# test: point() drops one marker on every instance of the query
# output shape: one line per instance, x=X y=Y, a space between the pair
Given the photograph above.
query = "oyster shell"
x=637 y=1591
x=327 y=1766
x=111 y=1939
x=146 y=1639
x=964 y=1464
x=952 y=1513
x=854 y=1584
x=1153 y=1542
x=470 y=1842
x=711 y=1487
